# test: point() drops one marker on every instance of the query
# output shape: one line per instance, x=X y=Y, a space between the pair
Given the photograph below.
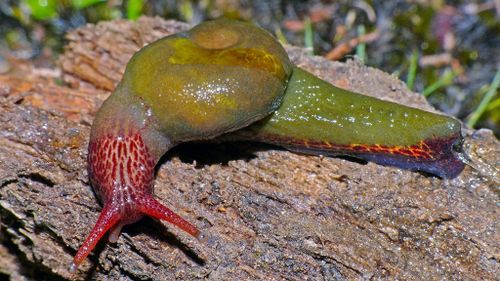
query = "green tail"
x=318 y=118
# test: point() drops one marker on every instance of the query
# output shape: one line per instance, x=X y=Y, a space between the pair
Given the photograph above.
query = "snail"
x=233 y=80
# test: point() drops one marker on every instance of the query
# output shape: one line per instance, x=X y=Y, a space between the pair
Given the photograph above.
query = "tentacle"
x=108 y=218
x=114 y=233
x=151 y=207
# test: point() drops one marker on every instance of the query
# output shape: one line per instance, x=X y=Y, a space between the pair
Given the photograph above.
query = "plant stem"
x=481 y=108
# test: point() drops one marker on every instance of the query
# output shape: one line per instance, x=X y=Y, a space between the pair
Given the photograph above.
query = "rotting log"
x=265 y=213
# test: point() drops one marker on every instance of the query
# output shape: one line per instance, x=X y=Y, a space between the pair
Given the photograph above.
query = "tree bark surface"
x=264 y=213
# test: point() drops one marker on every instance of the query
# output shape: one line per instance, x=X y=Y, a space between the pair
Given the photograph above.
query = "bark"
x=265 y=213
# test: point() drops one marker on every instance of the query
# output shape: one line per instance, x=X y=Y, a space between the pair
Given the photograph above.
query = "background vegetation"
x=447 y=50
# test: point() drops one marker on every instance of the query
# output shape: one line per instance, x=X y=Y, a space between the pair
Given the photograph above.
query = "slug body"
x=219 y=77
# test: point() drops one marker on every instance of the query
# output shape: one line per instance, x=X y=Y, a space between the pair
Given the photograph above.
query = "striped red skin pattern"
x=120 y=161
x=434 y=156
x=122 y=172
x=418 y=151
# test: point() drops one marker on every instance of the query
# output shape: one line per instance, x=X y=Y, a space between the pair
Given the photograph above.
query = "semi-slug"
x=219 y=77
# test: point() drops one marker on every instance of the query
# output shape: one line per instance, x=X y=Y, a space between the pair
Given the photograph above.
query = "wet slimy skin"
x=222 y=76
x=318 y=118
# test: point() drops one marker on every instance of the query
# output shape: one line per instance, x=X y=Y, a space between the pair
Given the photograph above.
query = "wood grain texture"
x=264 y=213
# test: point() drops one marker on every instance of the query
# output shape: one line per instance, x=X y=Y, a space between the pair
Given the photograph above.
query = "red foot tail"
x=151 y=207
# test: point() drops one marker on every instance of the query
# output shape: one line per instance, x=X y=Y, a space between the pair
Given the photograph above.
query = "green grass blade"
x=134 y=9
x=280 y=35
x=361 y=47
x=308 y=36
x=82 y=4
x=481 y=108
x=412 y=70
x=446 y=79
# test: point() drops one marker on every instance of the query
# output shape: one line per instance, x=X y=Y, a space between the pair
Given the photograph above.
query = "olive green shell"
x=217 y=77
